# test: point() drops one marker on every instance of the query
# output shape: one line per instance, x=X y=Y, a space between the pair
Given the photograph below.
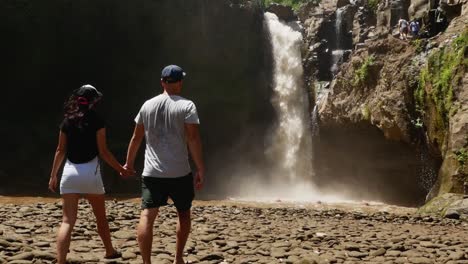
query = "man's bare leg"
x=145 y=233
x=183 y=231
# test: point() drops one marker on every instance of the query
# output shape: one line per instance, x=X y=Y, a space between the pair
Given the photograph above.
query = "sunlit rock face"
x=120 y=47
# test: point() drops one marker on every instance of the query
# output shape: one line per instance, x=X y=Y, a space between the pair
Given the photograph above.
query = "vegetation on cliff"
x=443 y=70
x=295 y=4
x=439 y=99
x=372 y=5
x=462 y=156
x=362 y=74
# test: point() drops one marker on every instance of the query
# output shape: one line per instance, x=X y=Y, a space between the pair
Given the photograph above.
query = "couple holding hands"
x=169 y=123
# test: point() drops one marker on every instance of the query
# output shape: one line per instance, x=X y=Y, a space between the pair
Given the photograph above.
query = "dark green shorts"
x=156 y=191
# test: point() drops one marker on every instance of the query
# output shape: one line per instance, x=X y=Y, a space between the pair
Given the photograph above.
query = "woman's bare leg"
x=69 y=208
x=97 y=201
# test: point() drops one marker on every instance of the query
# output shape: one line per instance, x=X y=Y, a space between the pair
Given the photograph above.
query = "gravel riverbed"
x=241 y=232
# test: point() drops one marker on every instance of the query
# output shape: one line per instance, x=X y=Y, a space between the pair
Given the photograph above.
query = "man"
x=169 y=123
x=403 y=28
x=414 y=28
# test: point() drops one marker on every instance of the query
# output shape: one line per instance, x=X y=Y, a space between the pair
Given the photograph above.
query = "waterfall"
x=337 y=56
x=338 y=26
x=288 y=174
x=291 y=148
x=338 y=52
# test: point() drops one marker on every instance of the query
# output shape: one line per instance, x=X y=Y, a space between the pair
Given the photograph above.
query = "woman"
x=82 y=138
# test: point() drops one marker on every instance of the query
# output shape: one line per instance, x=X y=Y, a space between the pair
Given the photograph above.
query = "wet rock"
x=43 y=255
x=459 y=255
x=75 y=260
x=278 y=252
x=22 y=256
x=378 y=252
x=208 y=238
x=341 y=3
x=212 y=256
x=125 y=234
x=128 y=255
x=4 y=243
x=283 y=12
x=457 y=209
x=420 y=260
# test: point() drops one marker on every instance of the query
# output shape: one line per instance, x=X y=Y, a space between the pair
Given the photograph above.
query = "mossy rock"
x=439 y=204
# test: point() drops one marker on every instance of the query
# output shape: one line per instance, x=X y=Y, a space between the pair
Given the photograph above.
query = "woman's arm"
x=58 y=160
x=105 y=154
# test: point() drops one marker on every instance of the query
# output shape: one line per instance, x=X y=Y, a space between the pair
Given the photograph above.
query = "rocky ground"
x=241 y=232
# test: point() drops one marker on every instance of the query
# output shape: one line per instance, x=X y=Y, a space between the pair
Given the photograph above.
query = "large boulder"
x=389 y=14
x=341 y=3
x=458 y=209
x=376 y=98
x=418 y=8
x=318 y=23
x=285 y=13
x=449 y=205
x=452 y=8
x=364 y=25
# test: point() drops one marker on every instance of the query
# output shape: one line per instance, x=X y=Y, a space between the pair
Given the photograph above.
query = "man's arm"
x=195 y=146
x=134 y=145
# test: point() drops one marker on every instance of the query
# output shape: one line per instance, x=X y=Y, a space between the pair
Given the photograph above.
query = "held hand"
x=199 y=179
x=127 y=171
x=53 y=183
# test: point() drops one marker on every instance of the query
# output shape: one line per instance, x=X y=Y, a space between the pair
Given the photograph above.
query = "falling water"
x=289 y=173
x=337 y=56
x=292 y=138
x=338 y=26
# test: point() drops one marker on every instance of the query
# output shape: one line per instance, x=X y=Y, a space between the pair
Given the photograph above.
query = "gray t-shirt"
x=164 y=116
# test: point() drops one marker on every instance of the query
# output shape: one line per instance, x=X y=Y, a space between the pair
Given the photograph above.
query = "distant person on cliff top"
x=82 y=138
x=169 y=124
x=403 y=27
x=414 y=28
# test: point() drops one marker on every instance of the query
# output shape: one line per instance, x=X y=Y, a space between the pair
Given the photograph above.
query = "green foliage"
x=417 y=123
x=362 y=74
x=462 y=156
x=372 y=4
x=438 y=76
x=295 y=4
x=420 y=92
x=365 y=112
x=419 y=44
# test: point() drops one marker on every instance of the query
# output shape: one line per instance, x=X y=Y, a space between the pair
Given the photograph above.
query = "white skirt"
x=82 y=178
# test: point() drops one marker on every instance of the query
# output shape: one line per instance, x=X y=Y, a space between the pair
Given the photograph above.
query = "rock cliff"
x=414 y=92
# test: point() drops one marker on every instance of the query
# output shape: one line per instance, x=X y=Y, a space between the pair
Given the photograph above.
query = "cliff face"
x=372 y=87
x=442 y=102
x=414 y=92
x=52 y=47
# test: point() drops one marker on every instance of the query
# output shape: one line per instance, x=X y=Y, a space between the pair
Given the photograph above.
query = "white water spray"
x=338 y=26
x=290 y=151
x=291 y=144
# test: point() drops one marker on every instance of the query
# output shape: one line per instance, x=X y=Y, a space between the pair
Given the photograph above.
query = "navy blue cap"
x=89 y=92
x=172 y=74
